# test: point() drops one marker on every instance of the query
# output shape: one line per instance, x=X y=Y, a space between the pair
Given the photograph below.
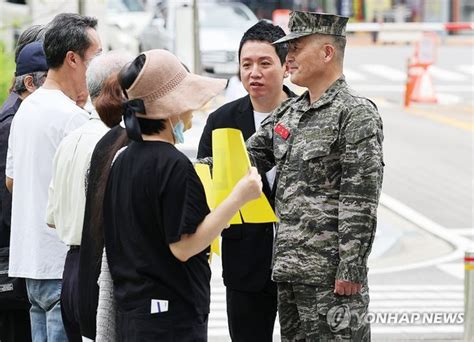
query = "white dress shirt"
x=67 y=189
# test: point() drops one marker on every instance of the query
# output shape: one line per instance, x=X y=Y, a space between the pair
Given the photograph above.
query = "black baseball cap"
x=31 y=59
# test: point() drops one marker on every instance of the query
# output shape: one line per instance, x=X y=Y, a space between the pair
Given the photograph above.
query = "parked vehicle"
x=126 y=20
x=221 y=27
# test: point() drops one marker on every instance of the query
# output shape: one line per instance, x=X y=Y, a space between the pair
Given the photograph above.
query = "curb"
x=459 y=243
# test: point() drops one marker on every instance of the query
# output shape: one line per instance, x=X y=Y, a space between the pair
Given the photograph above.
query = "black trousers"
x=15 y=326
x=251 y=315
x=70 y=295
x=142 y=326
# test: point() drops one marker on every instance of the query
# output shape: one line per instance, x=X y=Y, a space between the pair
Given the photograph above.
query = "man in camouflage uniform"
x=327 y=148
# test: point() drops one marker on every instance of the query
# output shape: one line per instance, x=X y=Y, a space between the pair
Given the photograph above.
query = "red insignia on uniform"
x=282 y=131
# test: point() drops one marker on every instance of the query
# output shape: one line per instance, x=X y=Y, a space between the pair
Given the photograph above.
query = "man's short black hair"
x=266 y=32
x=67 y=32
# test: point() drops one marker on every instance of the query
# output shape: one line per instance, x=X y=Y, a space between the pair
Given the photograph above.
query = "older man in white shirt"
x=67 y=190
x=42 y=121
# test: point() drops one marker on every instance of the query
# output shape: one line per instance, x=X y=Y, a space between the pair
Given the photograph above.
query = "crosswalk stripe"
x=463 y=231
x=448 y=99
x=467 y=68
x=446 y=75
x=458 y=88
x=385 y=300
x=385 y=71
x=218 y=332
x=413 y=310
x=353 y=76
x=417 y=329
x=417 y=295
x=376 y=329
x=417 y=288
x=416 y=303
x=453 y=269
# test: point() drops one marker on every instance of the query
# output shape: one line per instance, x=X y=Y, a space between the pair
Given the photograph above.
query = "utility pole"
x=81 y=7
x=197 y=49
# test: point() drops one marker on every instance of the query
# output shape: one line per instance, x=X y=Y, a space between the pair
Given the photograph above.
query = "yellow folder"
x=230 y=163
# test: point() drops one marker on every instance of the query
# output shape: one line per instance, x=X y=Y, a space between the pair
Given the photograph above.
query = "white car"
x=126 y=20
x=221 y=26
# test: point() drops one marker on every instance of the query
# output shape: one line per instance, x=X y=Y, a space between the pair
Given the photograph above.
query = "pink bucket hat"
x=167 y=89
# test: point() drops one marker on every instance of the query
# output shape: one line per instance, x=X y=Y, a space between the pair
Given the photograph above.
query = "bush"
x=7 y=71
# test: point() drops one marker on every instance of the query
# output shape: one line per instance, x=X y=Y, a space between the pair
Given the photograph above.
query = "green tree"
x=7 y=70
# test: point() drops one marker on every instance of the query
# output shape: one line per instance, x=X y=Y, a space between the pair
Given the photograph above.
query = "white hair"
x=101 y=67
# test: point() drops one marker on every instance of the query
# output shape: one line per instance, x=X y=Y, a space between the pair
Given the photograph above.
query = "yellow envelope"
x=204 y=174
x=230 y=163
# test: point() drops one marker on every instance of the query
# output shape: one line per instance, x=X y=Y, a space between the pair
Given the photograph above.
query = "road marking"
x=467 y=68
x=448 y=99
x=411 y=303
x=468 y=126
x=445 y=75
x=353 y=76
x=385 y=71
x=391 y=300
x=463 y=231
x=375 y=329
x=425 y=329
x=453 y=269
x=409 y=288
x=401 y=88
x=382 y=102
x=419 y=293
x=459 y=243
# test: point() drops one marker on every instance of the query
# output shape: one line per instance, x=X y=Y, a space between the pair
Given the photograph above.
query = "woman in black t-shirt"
x=158 y=226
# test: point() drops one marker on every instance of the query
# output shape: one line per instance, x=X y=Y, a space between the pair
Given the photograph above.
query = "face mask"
x=178 y=131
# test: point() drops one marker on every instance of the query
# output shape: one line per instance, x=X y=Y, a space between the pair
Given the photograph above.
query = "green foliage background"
x=7 y=69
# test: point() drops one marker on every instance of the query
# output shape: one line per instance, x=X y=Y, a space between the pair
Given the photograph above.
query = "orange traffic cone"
x=410 y=84
x=423 y=89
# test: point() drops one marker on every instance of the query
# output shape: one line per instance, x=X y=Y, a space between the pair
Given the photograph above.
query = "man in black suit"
x=247 y=248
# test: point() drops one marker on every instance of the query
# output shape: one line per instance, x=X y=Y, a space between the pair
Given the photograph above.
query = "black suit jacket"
x=246 y=248
x=6 y=117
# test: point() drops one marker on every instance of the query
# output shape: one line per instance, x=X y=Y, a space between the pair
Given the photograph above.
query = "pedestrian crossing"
x=446 y=75
x=384 y=71
x=364 y=72
x=467 y=68
x=394 y=311
x=407 y=310
x=453 y=85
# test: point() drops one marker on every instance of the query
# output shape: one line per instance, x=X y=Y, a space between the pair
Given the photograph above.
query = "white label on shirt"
x=159 y=305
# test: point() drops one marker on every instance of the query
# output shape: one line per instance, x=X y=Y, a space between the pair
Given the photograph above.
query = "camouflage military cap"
x=306 y=23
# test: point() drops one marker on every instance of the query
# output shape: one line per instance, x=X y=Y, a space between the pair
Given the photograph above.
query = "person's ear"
x=29 y=84
x=71 y=59
x=286 y=73
x=329 y=52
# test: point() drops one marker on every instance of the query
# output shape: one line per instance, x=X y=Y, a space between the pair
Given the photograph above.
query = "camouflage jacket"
x=329 y=163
